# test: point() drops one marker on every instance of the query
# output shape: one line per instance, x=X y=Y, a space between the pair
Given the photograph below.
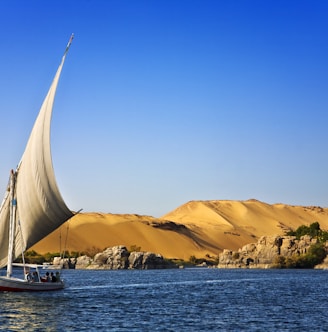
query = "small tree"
x=280 y=262
x=193 y=259
x=134 y=247
x=317 y=253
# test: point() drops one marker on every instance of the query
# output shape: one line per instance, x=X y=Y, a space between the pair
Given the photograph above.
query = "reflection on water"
x=26 y=311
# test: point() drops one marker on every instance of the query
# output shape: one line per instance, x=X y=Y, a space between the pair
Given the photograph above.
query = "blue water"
x=174 y=300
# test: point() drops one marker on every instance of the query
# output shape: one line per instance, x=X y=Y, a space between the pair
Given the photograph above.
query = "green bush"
x=315 y=255
x=279 y=262
x=313 y=230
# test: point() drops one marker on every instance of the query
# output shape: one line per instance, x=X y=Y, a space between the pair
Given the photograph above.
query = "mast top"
x=69 y=43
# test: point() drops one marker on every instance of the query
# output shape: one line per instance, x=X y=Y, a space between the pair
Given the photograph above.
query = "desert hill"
x=199 y=228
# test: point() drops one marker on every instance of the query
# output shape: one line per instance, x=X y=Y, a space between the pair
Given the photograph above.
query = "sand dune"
x=199 y=228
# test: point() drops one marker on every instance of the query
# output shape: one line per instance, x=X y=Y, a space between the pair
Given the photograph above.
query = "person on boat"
x=46 y=278
x=57 y=276
x=53 y=277
x=36 y=277
x=28 y=275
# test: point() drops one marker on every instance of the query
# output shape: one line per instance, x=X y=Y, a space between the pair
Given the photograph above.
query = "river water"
x=174 y=300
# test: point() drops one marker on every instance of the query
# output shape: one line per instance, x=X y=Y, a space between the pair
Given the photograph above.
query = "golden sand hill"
x=198 y=228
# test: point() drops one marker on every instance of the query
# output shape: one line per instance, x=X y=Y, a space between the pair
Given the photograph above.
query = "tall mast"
x=13 y=205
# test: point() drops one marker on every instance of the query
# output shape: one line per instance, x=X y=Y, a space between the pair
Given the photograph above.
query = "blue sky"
x=162 y=102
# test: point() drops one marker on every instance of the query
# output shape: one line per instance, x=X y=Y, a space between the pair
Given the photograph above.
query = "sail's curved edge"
x=4 y=229
x=40 y=206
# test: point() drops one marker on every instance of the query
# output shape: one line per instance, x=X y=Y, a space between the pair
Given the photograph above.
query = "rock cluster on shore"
x=117 y=258
x=265 y=252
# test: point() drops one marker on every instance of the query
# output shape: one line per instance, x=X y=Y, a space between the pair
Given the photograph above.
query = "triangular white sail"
x=40 y=207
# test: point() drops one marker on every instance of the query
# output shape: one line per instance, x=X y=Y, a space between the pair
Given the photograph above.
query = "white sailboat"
x=32 y=207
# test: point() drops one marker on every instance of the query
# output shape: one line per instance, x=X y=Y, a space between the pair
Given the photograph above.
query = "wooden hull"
x=20 y=285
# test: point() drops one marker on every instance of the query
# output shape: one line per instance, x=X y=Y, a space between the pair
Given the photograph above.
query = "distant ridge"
x=198 y=228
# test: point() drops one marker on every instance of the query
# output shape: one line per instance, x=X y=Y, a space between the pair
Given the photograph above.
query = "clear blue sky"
x=162 y=102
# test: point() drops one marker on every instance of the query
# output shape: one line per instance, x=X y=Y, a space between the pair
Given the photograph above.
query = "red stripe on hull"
x=13 y=289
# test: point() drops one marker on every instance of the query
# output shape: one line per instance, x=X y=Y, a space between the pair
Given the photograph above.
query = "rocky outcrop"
x=115 y=258
x=119 y=258
x=64 y=263
x=265 y=252
x=147 y=260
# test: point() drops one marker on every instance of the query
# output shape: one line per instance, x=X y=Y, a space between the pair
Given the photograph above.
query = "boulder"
x=83 y=262
x=64 y=263
x=147 y=260
x=135 y=260
x=153 y=261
